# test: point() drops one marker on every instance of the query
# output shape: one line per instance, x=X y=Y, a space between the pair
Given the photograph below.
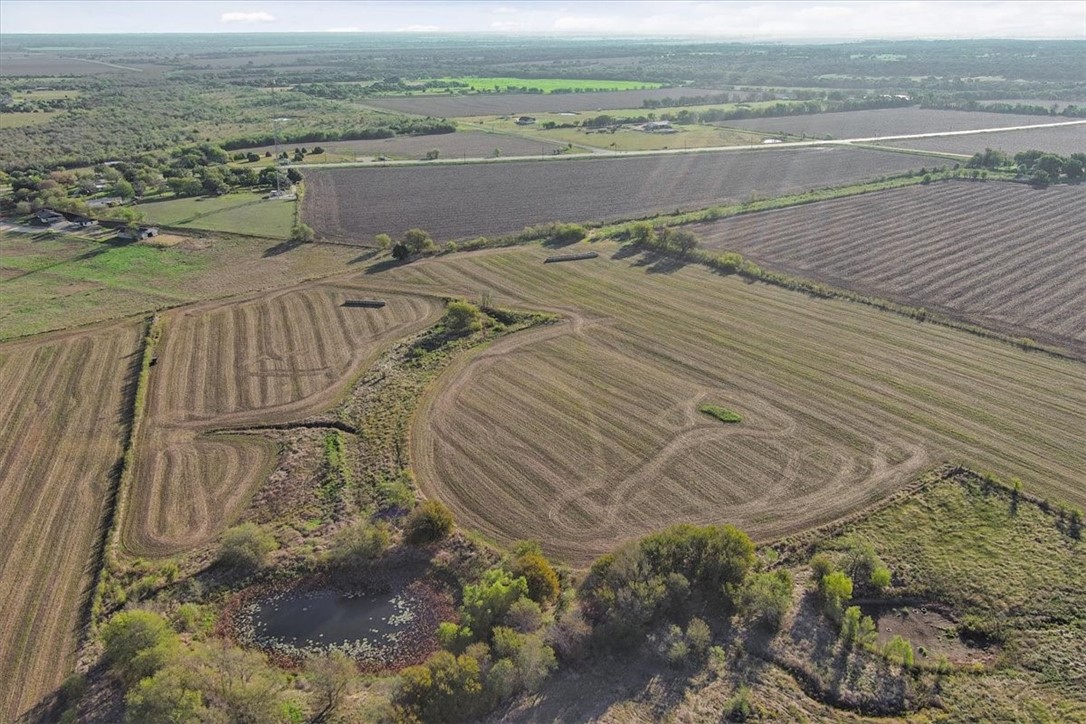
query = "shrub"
x=821 y=565
x=400 y=251
x=501 y=680
x=766 y=597
x=524 y=615
x=428 y=523
x=570 y=635
x=899 y=651
x=857 y=630
x=137 y=644
x=542 y=579
x=535 y=661
x=486 y=602
x=383 y=241
x=739 y=707
x=302 y=233
x=836 y=591
x=418 y=241
x=568 y=233
x=462 y=317
x=245 y=547
x=698 y=636
x=359 y=543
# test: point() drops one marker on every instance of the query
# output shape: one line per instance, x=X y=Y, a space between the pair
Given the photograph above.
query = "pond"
x=928 y=627
x=383 y=626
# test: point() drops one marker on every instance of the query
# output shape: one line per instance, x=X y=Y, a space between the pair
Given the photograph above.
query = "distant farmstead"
x=143 y=232
x=48 y=217
x=525 y=121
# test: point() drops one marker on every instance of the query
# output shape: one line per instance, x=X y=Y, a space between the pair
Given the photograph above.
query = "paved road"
x=710 y=149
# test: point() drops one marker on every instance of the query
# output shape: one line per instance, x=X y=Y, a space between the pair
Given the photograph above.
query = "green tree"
x=170 y=696
x=836 y=591
x=766 y=597
x=330 y=678
x=543 y=586
x=428 y=523
x=383 y=241
x=302 y=233
x=400 y=252
x=138 y=643
x=486 y=602
x=418 y=241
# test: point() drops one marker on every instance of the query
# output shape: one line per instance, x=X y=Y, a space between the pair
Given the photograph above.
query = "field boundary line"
x=116 y=499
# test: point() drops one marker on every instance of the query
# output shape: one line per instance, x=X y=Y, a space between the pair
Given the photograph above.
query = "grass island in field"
x=721 y=413
x=242 y=212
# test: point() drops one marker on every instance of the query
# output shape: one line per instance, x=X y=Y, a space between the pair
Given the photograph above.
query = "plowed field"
x=457 y=201
x=520 y=103
x=275 y=358
x=588 y=433
x=996 y=254
x=64 y=400
x=1063 y=140
x=886 y=122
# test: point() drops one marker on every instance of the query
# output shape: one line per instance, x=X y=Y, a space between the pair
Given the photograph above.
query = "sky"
x=738 y=19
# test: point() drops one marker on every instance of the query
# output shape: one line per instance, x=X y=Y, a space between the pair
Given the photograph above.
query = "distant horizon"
x=801 y=21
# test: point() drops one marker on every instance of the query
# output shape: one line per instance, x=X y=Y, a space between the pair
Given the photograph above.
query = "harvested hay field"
x=1000 y=255
x=270 y=359
x=588 y=433
x=1063 y=140
x=885 y=122
x=458 y=201
x=520 y=103
x=462 y=144
x=66 y=400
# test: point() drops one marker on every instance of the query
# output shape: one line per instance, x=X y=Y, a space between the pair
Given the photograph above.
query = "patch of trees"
x=399 y=127
x=1039 y=167
x=1023 y=109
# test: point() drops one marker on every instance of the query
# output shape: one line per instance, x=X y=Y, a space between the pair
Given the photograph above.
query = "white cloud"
x=420 y=29
x=257 y=17
x=350 y=29
x=508 y=26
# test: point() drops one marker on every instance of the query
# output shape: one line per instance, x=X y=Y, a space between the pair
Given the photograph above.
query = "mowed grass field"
x=49 y=281
x=273 y=358
x=457 y=201
x=65 y=404
x=237 y=213
x=589 y=433
x=1001 y=255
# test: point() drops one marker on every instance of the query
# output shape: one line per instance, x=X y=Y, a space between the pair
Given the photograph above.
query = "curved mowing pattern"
x=587 y=433
x=64 y=408
x=227 y=365
x=996 y=254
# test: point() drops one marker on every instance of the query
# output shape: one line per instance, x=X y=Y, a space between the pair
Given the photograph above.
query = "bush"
x=302 y=233
x=698 y=636
x=400 y=251
x=359 y=543
x=462 y=317
x=836 y=591
x=739 y=707
x=900 y=651
x=766 y=597
x=568 y=233
x=543 y=586
x=487 y=602
x=383 y=241
x=821 y=565
x=246 y=547
x=418 y=241
x=428 y=523
x=524 y=615
x=137 y=644
x=857 y=630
